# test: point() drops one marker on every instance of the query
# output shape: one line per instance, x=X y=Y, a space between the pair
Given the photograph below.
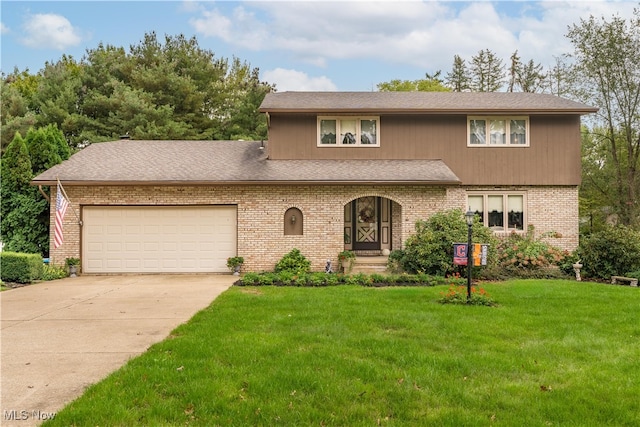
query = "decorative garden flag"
x=61 y=209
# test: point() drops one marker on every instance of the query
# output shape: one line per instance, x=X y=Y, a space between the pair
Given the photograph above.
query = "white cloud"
x=49 y=31
x=3 y=28
x=422 y=34
x=292 y=80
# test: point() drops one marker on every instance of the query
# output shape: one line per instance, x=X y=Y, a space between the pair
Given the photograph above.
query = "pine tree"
x=458 y=79
x=487 y=72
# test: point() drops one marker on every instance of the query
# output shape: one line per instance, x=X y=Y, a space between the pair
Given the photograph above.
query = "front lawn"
x=552 y=353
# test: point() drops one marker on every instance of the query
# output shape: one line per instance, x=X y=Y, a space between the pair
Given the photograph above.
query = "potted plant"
x=72 y=264
x=346 y=259
x=235 y=263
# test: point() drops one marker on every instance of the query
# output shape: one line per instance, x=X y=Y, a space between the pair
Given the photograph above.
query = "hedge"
x=20 y=267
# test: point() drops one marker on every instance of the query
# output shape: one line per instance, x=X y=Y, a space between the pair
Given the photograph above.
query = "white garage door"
x=158 y=239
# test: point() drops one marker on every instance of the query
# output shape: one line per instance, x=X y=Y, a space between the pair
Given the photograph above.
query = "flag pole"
x=64 y=193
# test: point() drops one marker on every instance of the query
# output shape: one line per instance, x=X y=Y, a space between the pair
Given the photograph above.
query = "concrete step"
x=370 y=264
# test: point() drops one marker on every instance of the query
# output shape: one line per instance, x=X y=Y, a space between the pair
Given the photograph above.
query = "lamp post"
x=469 y=218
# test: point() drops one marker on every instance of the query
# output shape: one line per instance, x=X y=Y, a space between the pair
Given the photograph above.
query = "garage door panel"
x=158 y=238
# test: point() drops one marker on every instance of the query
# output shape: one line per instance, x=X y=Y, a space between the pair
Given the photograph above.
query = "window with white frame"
x=348 y=131
x=489 y=131
x=499 y=211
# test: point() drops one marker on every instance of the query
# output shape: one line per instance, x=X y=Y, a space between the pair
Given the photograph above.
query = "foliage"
x=432 y=83
x=18 y=113
x=20 y=267
x=459 y=79
x=346 y=255
x=15 y=177
x=458 y=295
x=234 y=261
x=293 y=262
x=430 y=249
x=25 y=213
x=72 y=261
x=611 y=252
x=167 y=88
x=394 y=262
x=487 y=72
x=53 y=272
x=607 y=64
x=23 y=228
x=529 y=76
x=315 y=279
x=525 y=251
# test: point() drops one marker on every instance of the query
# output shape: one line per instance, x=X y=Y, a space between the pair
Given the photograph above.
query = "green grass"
x=552 y=353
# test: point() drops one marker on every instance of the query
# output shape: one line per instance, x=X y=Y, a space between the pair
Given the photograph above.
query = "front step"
x=370 y=264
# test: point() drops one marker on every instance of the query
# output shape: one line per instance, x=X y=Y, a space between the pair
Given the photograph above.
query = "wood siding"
x=552 y=158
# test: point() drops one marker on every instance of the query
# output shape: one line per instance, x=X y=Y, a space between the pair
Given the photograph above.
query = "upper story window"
x=498 y=131
x=348 y=131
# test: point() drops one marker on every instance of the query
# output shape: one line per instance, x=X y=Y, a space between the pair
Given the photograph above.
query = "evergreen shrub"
x=20 y=267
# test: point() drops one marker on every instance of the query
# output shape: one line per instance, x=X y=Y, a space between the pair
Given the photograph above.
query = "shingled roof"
x=421 y=102
x=130 y=162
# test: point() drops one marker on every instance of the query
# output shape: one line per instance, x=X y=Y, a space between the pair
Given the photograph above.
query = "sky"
x=305 y=45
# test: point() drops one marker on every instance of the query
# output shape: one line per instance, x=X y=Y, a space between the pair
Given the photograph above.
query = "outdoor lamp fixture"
x=469 y=218
x=293 y=219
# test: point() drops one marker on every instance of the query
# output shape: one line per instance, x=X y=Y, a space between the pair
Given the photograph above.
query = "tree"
x=487 y=72
x=532 y=78
x=16 y=112
x=515 y=71
x=25 y=212
x=431 y=83
x=459 y=79
x=607 y=62
x=20 y=228
x=43 y=150
x=16 y=173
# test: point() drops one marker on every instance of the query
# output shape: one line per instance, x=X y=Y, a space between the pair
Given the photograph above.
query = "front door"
x=366 y=224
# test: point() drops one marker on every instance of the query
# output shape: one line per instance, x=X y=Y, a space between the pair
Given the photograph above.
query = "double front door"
x=368 y=223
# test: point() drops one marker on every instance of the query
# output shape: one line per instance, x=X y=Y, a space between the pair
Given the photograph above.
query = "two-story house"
x=340 y=170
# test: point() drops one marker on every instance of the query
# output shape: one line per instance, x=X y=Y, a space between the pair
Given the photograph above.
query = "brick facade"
x=261 y=211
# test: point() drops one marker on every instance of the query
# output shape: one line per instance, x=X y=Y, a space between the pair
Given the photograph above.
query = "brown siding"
x=553 y=157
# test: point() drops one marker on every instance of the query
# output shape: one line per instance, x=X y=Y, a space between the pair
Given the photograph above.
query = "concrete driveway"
x=59 y=337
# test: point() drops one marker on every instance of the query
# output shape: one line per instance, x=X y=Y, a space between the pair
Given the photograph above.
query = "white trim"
x=358 y=130
x=507 y=129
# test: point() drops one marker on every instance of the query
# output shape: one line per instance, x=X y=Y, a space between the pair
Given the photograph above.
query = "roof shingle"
x=422 y=102
x=131 y=162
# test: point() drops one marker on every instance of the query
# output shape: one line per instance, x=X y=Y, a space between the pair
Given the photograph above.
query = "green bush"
x=317 y=279
x=524 y=255
x=613 y=251
x=430 y=249
x=293 y=262
x=53 y=272
x=20 y=267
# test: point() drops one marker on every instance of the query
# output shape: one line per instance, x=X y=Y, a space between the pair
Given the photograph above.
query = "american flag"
x=61 y=208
